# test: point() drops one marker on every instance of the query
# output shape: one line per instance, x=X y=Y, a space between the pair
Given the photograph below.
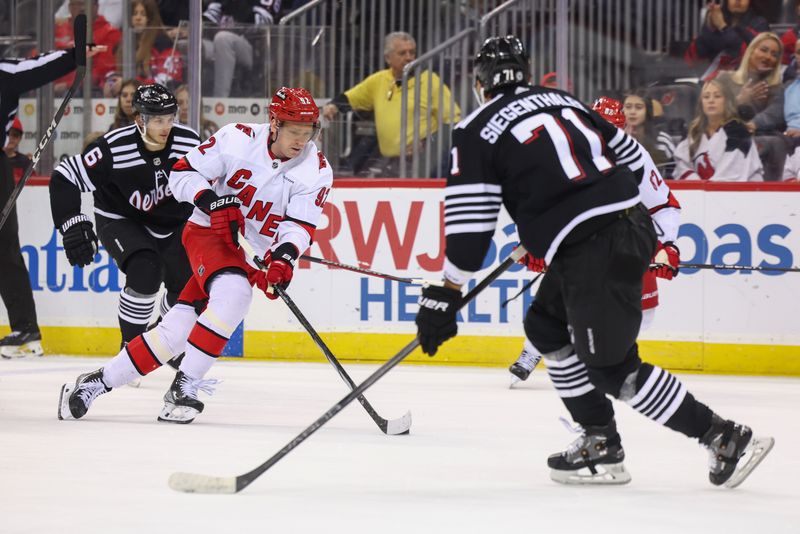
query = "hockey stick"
x=721 y=267
x=353 y=268
x=196 y=483
x=393 y=427
x=79 y=30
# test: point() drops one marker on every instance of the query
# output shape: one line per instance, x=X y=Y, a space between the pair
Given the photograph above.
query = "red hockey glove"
x=666 y=261
x=281 y=267
x=226 y=216
x=537 y=265
x=258 y=279
x=533 y=263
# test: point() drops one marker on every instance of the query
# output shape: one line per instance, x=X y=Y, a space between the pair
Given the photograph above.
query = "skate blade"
x=514 y=381
x=607 y=474
x=34 y=348
x=180 y=415
x=63 y=402
x=754 y=454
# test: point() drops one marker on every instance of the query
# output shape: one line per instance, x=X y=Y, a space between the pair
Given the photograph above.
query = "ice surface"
x=474 y=461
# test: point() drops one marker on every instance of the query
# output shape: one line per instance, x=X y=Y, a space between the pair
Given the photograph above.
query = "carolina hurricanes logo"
x=704 y=167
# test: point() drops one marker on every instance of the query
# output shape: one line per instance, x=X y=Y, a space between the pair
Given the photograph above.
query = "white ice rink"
x=473 y=463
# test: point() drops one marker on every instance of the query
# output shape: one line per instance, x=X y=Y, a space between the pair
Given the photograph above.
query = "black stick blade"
x=79 y=31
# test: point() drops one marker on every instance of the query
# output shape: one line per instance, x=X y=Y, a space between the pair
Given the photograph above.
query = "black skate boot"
x=20 y=344
x=522 y=368
x=733 y=451
x=181 y=404
x=594 y=458
x=75 y=399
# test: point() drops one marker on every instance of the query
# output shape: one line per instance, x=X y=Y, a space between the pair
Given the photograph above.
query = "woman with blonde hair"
x=757 y=83
x=719 y=146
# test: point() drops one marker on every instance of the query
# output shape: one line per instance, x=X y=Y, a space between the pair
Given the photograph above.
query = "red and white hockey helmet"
x=611 y=110
x=294 y=104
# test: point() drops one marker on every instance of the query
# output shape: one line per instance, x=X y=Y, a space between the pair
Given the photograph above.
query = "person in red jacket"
x=103 y=33
x=18 y=160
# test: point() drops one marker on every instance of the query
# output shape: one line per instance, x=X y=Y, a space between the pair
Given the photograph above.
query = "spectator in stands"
x=789 y=37
x=110 y=9
x=791 y=104
x=231 y=48
x=642 y=125
x=380 y=93
x=103 y=33
x=757 y=84
x=124 y=115
x=728 y=28
x=18 y=160
x=719 y=146
x=157 y=58
x=207 y=127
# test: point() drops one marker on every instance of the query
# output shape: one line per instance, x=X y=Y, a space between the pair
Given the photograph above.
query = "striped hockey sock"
x=134 y=313
x=659 y=395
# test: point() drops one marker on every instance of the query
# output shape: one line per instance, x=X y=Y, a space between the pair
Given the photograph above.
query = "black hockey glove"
x=80 y=242
x=436 y=319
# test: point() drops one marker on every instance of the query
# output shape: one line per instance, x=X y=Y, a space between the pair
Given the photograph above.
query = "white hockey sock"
x=230 y=295
x=166 y=340
x=119 y=371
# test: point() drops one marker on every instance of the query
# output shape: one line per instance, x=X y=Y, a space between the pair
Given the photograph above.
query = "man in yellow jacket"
x=381 y=93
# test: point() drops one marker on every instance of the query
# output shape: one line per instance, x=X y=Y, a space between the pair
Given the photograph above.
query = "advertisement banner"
x=398 y=230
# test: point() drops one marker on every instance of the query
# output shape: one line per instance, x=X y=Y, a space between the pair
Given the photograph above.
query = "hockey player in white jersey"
x=665 y=211
x=267 y=181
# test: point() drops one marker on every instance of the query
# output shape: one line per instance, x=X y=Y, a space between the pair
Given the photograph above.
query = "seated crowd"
x=739 y=122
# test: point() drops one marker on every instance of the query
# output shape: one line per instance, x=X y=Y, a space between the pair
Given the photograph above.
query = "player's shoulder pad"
x=121 y=136
x=313 y=169
x=185 y=131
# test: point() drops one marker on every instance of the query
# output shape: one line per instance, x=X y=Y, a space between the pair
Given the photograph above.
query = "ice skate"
x=733 y=451
x=75 y=399
x=180 y=402
x=594 y=458
x=20 y=344
x=522 y=368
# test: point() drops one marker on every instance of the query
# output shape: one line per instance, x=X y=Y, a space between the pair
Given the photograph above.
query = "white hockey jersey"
x=730 y=155
x=659 y=200
x=282 y=200
x=791 y=169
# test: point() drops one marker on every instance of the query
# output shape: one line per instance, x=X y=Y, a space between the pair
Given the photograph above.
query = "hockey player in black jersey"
x=138 y=220
x=569 y=180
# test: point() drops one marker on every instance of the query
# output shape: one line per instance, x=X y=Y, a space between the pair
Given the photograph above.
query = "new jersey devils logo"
x=703 y=165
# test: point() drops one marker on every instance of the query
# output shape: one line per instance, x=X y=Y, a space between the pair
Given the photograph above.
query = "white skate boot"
x=522 y=368
x=20 y=344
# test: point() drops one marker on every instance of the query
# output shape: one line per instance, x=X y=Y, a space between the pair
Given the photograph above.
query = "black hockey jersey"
x=552 y=162
x=126 y=180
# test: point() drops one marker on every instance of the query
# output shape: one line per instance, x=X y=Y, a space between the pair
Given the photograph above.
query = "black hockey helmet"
x=501 y=61
x=154 y=99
